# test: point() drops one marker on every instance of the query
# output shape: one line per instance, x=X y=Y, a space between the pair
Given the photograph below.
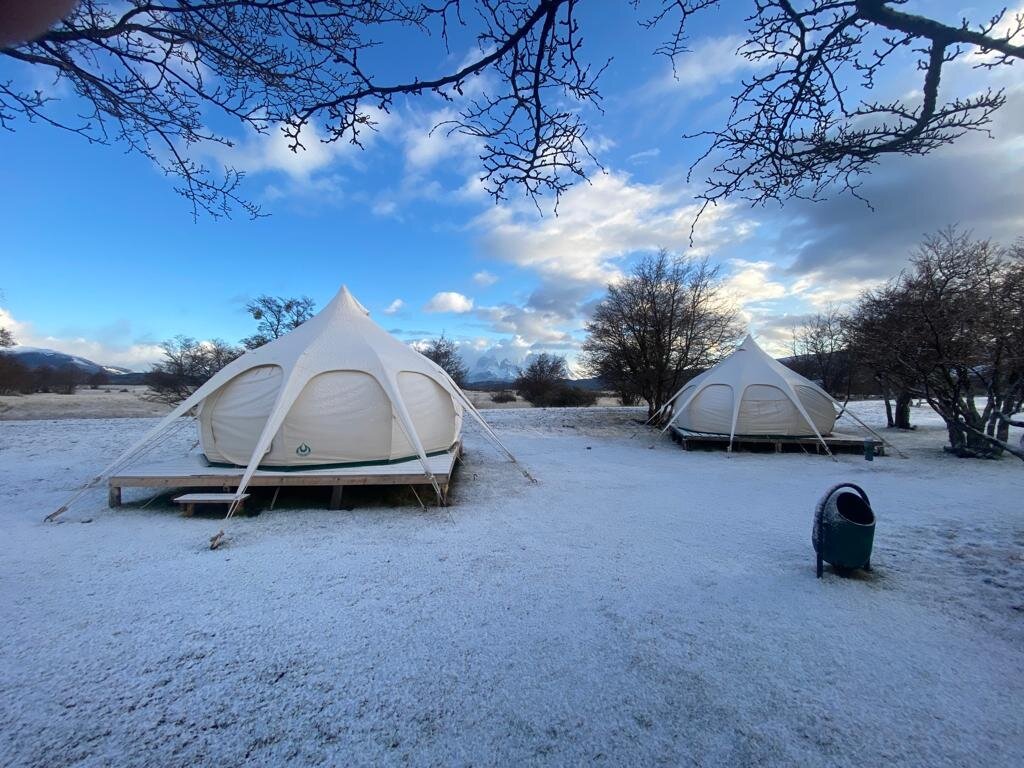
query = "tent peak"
x=748 y=343
x=345 y=302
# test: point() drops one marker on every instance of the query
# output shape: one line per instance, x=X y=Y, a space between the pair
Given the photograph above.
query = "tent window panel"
x=767 y=410
x=341 y=416
x=433 y=413
x=232 y=421
x=820 y=408
x=709 y=411
x=684 y=395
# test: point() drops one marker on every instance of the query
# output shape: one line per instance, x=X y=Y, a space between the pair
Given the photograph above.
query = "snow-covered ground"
x=105 y=402
x=638 y=605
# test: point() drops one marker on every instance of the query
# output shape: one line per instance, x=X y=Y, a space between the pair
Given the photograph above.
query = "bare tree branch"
x=150 y=74
x=794 y=130
x=167 y=79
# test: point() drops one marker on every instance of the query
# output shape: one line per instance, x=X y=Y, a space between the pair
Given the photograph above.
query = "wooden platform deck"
x=837 y=442
x=192 y=471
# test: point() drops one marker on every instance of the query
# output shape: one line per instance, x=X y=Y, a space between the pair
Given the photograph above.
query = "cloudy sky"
x=101 y=258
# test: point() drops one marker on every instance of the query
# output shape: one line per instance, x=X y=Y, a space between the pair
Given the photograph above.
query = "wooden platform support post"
x=336 y=493
x=114 y=496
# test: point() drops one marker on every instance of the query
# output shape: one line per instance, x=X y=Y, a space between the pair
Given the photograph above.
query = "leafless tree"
x=15 y=377
x=951 y=330
x=42 y=378
x=665 y=322
x=187 y=364
x=445 y=353
x=542 y=372
x=820 y=340
x=150 y=73
x=807 y=122
x=276 y=316
x=544 y=382
x=867 y=356
x=66 y=380
x=98 y=379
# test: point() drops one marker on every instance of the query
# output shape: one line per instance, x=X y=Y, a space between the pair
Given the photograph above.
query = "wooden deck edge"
x=171 y=481
x=284 y=479
x=842 y=441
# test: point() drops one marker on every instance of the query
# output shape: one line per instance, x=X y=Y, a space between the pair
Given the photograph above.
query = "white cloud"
x=749 y=282
x=259 y=153
x=710 y=63
x=384 y=208
x=536 y=327
x=644 y=155
x=394 y=306
x=600 y=223
x=270 y=152
x=429 y=139
x=138 y=355
x=449 y=301
x=473 y=190
x=484 y=278
x=820 y=289
x=431 y=151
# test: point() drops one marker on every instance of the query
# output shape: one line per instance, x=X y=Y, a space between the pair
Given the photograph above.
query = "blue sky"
x=101 y=258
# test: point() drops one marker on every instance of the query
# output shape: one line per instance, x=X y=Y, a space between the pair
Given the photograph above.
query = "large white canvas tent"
x=751 y=394
x=338 y=390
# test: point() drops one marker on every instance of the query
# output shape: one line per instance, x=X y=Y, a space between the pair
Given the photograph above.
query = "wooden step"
x=189 y=500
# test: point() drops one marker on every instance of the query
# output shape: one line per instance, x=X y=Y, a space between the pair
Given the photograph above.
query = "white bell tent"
x=751 y=394
x=338 y=390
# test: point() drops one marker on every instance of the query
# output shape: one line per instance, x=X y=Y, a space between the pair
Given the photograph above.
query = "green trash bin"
x=844 y=529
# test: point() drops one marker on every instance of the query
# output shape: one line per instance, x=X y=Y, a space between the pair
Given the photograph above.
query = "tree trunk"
x=970 y=443
x=889 y=422
x=902 y=420
x=998 y=426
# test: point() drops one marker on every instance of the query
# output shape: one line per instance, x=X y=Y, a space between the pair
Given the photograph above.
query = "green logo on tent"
x=303 y=450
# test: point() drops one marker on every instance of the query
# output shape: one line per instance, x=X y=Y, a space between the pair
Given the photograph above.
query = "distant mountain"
x=491 y=370
x=36 y=357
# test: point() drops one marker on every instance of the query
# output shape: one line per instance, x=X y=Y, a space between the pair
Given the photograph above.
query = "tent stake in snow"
x=147 y=443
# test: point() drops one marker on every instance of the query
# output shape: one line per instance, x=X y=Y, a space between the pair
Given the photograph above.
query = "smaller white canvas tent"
x=338 y=390
x=751 y=394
